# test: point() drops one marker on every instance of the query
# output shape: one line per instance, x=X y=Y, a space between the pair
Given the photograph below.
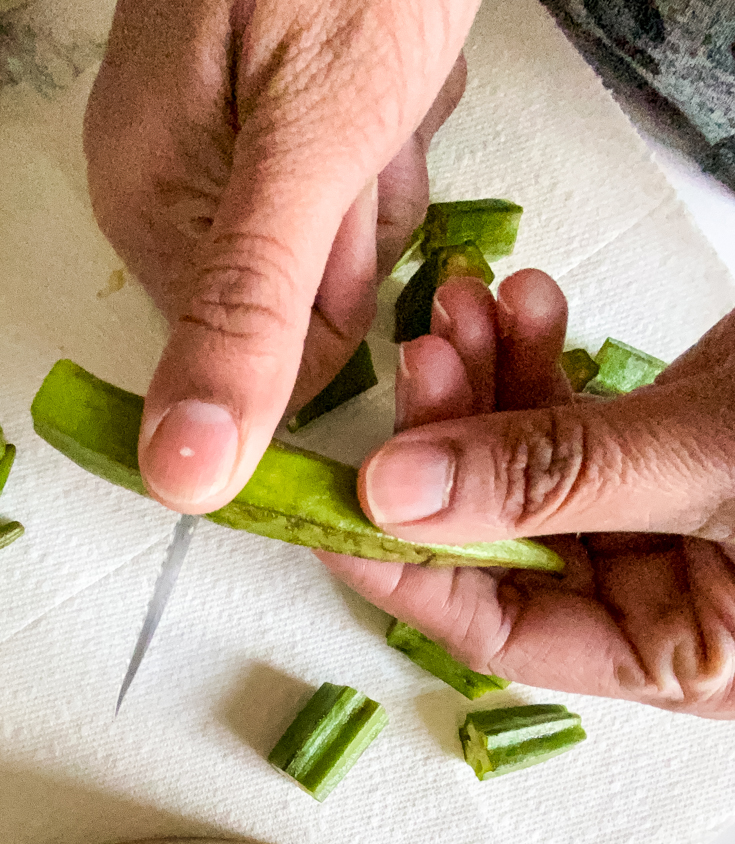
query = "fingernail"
x=191 y=456
x=409 y=481
x=401 y=389
x=441 y=322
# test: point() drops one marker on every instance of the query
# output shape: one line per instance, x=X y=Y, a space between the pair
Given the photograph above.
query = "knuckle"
x=545 y=466
x=248 y=290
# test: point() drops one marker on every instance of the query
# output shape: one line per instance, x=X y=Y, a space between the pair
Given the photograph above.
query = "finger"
x=345 y=302
x=660 y=460
x=225 y=377
x=431 y=383
x=532 y=325
x=463 y=313
x=548 y=638
x=404 y=183
x=647 y=592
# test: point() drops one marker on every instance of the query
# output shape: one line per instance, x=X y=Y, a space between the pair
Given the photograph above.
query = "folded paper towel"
x=254 y=626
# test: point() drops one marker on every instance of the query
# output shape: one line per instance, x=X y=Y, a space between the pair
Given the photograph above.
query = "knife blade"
x=172 y=562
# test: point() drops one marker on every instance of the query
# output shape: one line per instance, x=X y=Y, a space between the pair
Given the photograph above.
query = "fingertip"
x=530 y=300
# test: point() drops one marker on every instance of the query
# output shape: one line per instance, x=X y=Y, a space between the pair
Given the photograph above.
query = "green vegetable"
x=434 y=659
x=499 y=741
x=579 y=367
x=490 y=223
x=294 y=495
x=9 y=532
x=327 y=737
x=6 y=463
x=623 y=368
x=413 y=306
x=356 y=376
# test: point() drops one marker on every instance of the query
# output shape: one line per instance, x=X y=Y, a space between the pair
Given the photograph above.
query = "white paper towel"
x=254 y=626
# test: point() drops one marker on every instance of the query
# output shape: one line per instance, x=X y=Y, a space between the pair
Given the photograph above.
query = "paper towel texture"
x=255 y=626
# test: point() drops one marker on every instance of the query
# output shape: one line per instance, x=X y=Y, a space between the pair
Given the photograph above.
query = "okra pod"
x=9 y=532
x=622 y=369
x=294 y=495
x=579 y=367
x=492 y=224
x=413 y=306
x=434 y=659
x=356 y=376
x=327 y=737
x=499 y=741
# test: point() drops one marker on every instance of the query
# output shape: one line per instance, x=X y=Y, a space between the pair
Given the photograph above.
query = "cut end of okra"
x=294 y=495
x=9 y=532
x=327 y=737
x=413 y=306
x=579 y=367
x=355 y=377
x=490 y=223
x=500 y=741
x=434 y=659
x=623 y=369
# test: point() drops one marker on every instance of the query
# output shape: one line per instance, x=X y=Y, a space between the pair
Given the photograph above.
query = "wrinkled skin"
x=647 y=616
x=259 y=166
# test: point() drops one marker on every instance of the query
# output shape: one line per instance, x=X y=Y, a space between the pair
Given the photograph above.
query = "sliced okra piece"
x=355 y=377
x=294 y=495
x=9 y=532
x=327 y=737
x=579 y=367
x=490 y=223
x=413 y=306
x=434 y=659
x=6 y=464
x=499 y=741
x=622 y=369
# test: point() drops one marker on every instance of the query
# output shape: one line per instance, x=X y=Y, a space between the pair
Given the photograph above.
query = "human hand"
x=245 y=158
x=636 y=493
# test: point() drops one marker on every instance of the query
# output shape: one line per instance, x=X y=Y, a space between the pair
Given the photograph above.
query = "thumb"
x=659 y=460
x=231 y=361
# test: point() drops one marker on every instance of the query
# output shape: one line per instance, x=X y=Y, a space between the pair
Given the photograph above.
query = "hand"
x=245 y=158
x=637 y=493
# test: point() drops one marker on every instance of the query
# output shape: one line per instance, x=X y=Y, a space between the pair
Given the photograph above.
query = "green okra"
x=327 y=737
x=413 y=306
x=579 y=367
x=6 y=463
x=492 y=224
x=499 y=741
x=434 y=659
x=294 y=495
x=622 y=369
x=9 y=532
x=356 y=376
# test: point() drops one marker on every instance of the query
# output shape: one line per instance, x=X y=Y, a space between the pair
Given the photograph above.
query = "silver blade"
x=164 y=587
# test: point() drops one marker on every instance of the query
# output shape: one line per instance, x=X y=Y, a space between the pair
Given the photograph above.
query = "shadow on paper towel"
x=262 y=703
x=38 y=808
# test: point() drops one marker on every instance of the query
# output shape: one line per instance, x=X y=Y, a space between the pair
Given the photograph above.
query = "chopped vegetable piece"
x=2 y=443
x=9 y=532
x=499 y=741
x=490 y=223
x=434 y=659
x=623 y=368
x=294 y=495
x=413 y=306
x=356 y=376
x=6 y=464
x=579 y=367
x=327 y=737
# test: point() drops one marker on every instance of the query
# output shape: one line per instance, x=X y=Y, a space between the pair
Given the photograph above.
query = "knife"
x=164 y=587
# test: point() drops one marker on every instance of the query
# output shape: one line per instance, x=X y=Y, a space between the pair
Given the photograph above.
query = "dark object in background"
x=671 y=66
